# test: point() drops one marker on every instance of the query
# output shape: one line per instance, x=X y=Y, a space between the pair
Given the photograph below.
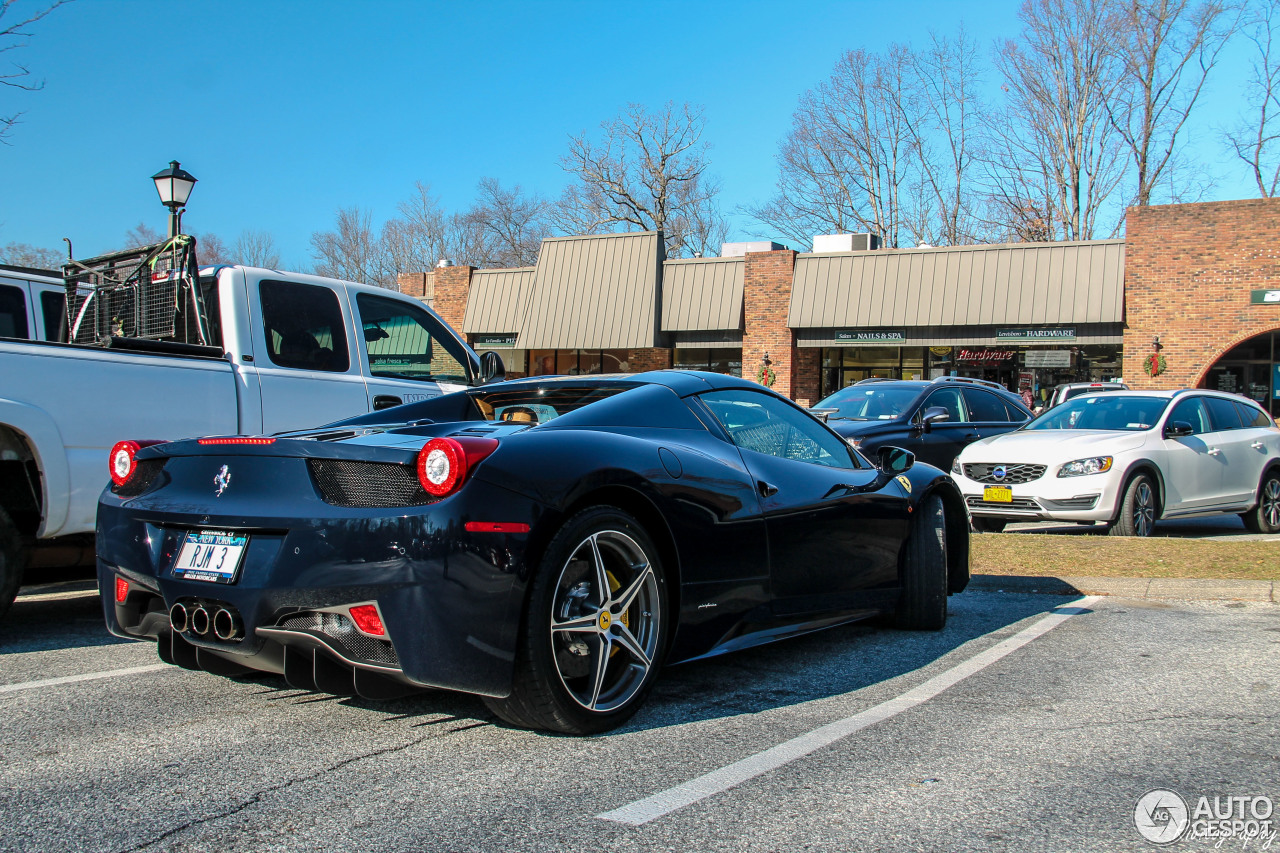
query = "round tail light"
x=443 y=463
x=122 y=461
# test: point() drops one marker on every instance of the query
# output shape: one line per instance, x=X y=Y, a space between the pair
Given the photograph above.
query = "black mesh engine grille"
x=142 y=480
x=343 y=482
x=342 y=631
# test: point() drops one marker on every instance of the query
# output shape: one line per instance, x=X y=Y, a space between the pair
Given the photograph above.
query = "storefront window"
x=573 y=362
x=842 y=366
x=1250 y=369
x=717 y=360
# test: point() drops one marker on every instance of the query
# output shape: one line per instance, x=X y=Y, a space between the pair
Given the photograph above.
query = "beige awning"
x=702 y=294
x=598 y=292
x=1033 y=284
x=498 y=300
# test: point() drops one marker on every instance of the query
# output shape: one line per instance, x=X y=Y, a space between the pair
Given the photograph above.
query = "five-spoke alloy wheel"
x=595 y=629
x=1265 y=516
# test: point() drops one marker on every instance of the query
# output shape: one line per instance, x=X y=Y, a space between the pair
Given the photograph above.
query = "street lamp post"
x=174 y=185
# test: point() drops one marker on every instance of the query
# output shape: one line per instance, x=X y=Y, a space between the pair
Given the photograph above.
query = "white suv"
x=1128 y=458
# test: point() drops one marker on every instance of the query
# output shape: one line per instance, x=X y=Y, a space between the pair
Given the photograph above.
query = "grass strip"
x=1121 y=557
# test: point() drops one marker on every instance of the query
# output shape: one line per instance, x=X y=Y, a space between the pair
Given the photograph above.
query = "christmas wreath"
x=766 y=376
x=1154 y=364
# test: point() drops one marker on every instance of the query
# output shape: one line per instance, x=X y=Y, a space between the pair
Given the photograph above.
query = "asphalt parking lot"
x=1032 y=722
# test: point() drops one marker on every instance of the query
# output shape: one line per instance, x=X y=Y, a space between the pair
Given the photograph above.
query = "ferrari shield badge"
x=905 y=483
x=223 y=479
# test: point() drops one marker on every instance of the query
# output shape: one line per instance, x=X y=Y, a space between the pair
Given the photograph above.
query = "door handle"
x=1214 y=451
x=385 y=401
x=1258 y=445
x=766 y=489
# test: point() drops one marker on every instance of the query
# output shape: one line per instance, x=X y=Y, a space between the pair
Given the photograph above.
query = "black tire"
x=923 y=603
x=988 y=525
x=1265 y=517
x=12 y=560
x=578 y=670
x=1138 y=508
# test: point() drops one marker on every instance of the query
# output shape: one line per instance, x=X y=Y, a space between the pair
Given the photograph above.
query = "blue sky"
x=286 y=111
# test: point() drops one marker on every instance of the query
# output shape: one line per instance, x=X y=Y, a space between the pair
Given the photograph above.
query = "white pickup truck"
x=290 y=351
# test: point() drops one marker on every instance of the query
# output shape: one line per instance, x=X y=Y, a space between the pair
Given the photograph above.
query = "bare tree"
x=504 y=228
x=1055 y=157
x=26 y=255
x=1256 y=136
x=256 y=249
x=645 y=171
x=13 y=36
x=353 y=252
x=885 y=145
x=1169 y=49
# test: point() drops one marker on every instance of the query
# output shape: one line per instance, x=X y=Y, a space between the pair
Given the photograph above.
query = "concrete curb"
x=1180 y=589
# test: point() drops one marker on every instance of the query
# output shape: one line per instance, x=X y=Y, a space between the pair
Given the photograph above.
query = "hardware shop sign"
x=986 y=355
x=871 y=336
x=1047 y=358
x=1035 y=336
x=1264 y=297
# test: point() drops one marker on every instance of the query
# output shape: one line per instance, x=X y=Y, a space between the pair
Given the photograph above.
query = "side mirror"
x=894 y=460
x=491 y=368
x=931 y=414
x=1178 y=429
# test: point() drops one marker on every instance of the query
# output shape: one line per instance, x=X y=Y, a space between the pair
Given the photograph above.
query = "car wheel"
x=11 y=561
x=1137 y=509
x=988 y=525
x=923 y=603
x=595 y=629
x=1265 y=517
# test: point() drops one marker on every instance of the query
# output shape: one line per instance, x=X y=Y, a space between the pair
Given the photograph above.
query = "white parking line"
x=662 y=803
x=88 y=676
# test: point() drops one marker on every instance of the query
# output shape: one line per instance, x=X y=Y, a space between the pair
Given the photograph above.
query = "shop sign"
x=986 y=356
x=1264 y=297
x=1035 y=336
x=504 y=340
x=1047 y=358
x=1275 y=381
x=871 y=336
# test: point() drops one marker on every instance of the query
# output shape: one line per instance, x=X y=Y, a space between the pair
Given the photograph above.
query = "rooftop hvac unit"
x=864 y=242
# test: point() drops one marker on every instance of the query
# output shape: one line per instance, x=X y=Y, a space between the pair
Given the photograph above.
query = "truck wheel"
x=1265 y=517
x=923 y=604
x=595 y=629
x=11 y=562
x=1137 y=509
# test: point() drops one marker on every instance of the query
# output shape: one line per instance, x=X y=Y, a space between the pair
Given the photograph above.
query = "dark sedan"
x=545 y=543
x=934 y=420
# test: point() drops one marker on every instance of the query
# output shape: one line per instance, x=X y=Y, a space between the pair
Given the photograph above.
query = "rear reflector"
x=236 y=439
x=367 y=619
x=122 y=589
x=496 y=527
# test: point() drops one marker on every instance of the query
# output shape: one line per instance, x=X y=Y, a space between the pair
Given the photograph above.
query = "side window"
x=763 y=424
x=53 y=304
x=949 y=399
x=400 y=343
x=13 y=313
x=1251 y=417
x=1016 y=415
x=303 y=325
x=1222 y=413
x=1192 y=411
x=983 y=406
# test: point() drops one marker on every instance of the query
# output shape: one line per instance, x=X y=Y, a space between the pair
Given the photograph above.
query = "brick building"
x=1026 y=315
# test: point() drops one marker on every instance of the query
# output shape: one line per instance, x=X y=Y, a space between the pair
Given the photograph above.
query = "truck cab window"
x=303 y=326
x=401 y=345
x=13 y=313
x=53 y=304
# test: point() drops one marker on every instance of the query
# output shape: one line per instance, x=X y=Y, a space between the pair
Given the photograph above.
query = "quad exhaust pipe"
x=224 y=623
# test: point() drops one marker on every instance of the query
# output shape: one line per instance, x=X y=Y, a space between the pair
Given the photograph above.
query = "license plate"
x=997 y=494
x=210 y=555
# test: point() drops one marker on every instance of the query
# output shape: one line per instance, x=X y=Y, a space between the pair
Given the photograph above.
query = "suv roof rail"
x=876 y=379
x=971 y=381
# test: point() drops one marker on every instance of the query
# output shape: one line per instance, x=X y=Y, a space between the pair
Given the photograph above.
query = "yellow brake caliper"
x=624 y=617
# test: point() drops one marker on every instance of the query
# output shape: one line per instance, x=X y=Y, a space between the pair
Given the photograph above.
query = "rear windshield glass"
x=538 y=404
x=1104 y=411
x=869 y=403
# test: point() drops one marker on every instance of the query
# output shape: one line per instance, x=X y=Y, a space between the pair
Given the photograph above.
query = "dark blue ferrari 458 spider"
x=546 y=543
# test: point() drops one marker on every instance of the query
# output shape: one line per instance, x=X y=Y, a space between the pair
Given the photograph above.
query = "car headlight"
x=1080 y=467
x=955 y=466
